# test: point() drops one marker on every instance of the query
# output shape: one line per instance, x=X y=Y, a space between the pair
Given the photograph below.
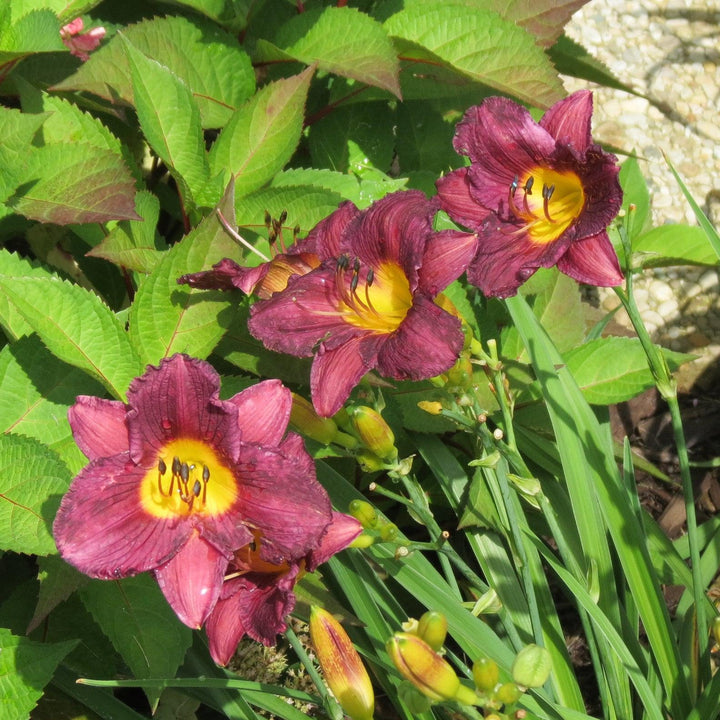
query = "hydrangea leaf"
x=209 y=60
x=231 y=14
x=26 y=667
x=165 y=317
x=81 y=330
x=261 y=136
x=38 y=389
x=170 y=120
x=479 y=44
x=614 y=369
x=341 y=40
x=135 y=244
x=141 y=626
x=34 y=32
x=58 y=581
x=32 y=481
x=673 y=245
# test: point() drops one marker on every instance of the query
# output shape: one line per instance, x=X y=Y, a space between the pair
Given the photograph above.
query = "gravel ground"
x=668 y=50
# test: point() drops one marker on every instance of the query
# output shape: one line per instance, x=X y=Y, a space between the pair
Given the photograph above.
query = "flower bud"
x=461 y=373
x=532 y=666
x=370 y=462
x=426 y=670
x=507 y=694
x=342 y=667
x=363 y=540
x=373 y=432
x=364 y=512
x=388 y=532
x=432 y=628
x=486 y=674
x=305 y=420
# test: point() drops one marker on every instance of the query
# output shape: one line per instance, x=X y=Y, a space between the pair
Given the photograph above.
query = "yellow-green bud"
x=486 y=674
x=342 y=667
x=429 y=672
x=363 y=540
x=532 y=666
x=432 y=628
x=388 y=532
x=370 y=462
x=373 y=432
x=364 y=512
x=461 y=373
x=306 y=421
x=507 y=694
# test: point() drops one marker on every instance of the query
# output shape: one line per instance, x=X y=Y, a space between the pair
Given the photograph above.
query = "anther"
x=268 y=220
x=206 y=473
x=370 y=277
x=354 y=282
x=184 y=473
x=528 y=185
x=547 y=193
x=343 y=262
x=282 y=218
x=176 y=465
x=196 y=488
x=162 y=467
x=514 y=185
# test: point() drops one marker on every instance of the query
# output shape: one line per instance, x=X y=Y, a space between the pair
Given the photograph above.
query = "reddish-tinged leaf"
x=545 y=19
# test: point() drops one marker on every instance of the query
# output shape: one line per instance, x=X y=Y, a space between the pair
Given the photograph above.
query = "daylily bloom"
x=371 y=303
x=78 y=42
x=537 y=194
x=257 y=594
x=179 y=479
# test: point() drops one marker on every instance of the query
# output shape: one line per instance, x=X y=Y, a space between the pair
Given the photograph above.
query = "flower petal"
x=102 y=529
x=592 y=260
x=98 y=426
x=179 y=399
x=427 y=343
x=225 y=275
x=568 y=120
x=192 y=579
x=263 y=412
x=447 y=256
x=325 y=239
x=337 y=370
x=457 y=200
x=343 y=529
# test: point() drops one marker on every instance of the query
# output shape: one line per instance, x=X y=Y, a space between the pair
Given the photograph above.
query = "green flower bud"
x=306 y=421
x=363 y=540
x=461 y=373
x=486 y=674
x=364 y=512
x=507 y=694
x=388 y=532
x=370 y=462
x=373 y=432
x=432 y=628
x=532 y=666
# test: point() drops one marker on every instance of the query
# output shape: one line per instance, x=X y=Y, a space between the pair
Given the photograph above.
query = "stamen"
x=196 y=488
x=206 y=473
x=235 y=235
x=369 y=277
x=528 y=185
x=162 y=469
x=547 y=193
x=176 y=465
x=514 y=185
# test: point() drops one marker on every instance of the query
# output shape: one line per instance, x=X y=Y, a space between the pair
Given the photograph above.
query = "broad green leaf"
x=135 y=244
x=170 y=120
x=38 y=389
x=673 y=245
x=142 y=627
x=33 y=479
x=341 y=40
x=210 y=61
x=614 y=369
x=635 y=192
x=261 y=136
x=26 y=667
x=231 y=14
x=166 y=318
x=34 y=32
x=480 y=45
x=81 y=330
x=58 y=581
x=17 y=130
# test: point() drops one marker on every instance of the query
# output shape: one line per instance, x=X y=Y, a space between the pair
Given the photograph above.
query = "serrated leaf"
x=261 y=137
x=614 y=369
x=482 y=46
x=142 y=627
x=231 y=14
x=26 y=667
x=34 y=32
x=210 y=61
x=166 y=318
x=58 y=581
x=33 y=479
x=81 y=330
x=17 y=130
x=135 y=244
x=341 y=40
x=170 y=120
x=673 y=245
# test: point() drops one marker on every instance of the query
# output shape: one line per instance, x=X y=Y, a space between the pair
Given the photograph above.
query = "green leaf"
x=35 y=32
x=341 y=40
x=614 y=369
x=135 y=244
x=209 y=60
x=142 y=627
x=26 y=667
x=673 y=245
x=32 y=482
x=231 y=14
x=635 y=192
x=480 y=45
x=261 y=136
x=170 y=120
x=81 y=330
x=166 y=318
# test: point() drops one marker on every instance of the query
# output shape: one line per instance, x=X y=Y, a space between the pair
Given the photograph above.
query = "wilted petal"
x=263 y=412
x=446 y=258
x=98 y=426
x=225 y=275
x=592 y=260
x=192 y=579
x=568 y=120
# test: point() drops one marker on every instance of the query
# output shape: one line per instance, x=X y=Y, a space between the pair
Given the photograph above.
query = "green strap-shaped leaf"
x=673 y=244
x=32 y=481
x=341 y=40
x=210 y=61
x=141 y=626
x=77 y=327
x=170 y=120
x=480 y=45
x=262 y=135
x=26 y=667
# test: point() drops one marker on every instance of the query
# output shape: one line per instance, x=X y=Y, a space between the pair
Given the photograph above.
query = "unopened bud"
x=364 y=512
x=486 y=674
x=363 y=540
x=532 y=666
x=370 y=462
x=388 y=532
x=433 y=407
x=373 y=432
x=429 y=672
x=306 y=421
x=432 y=628
x=461 y=373
x=507 y=694
x=342 y=667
